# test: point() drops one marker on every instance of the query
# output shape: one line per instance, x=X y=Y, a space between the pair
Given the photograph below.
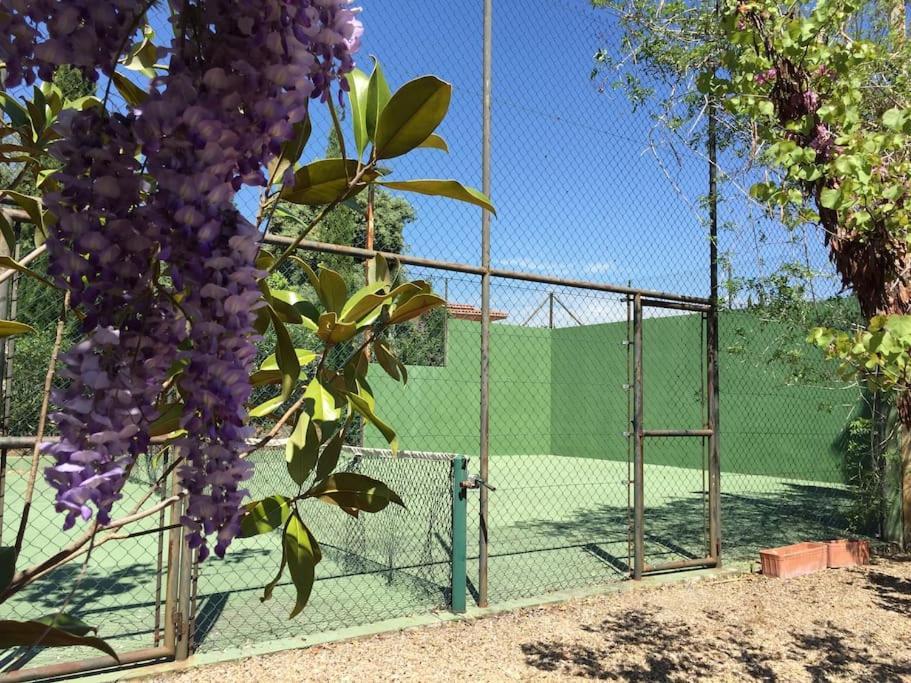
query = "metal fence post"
x=182 y=590
x=483 y=548
x=713 y=345
x=638 y=453
x=458 y=573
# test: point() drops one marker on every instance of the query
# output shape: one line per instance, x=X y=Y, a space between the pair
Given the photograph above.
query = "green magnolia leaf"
x=267 y=407
x=332 y=331
x=411 y=116
x=286 y=357
x=354 y=490
x=36 y=633
x=264 y=515
x=13 y=264
x=282 y=303
x=11 y=328
x=302 y=449
x=362 y=406
x=378 y=271
x=131 y=93
x=32 y=206
x=303 y=554
x=263 y=320
x=414 y=307
x=168 y=419
x=358 y=83
x=18 y=114
x=408 y=290
x=333 y=291
x=363 y=306
x=304 y=356
x=356 y=368
x=324 y=409
x=378 y=96
x=312 y=277
x=142 y=57
x=269 y=587
x=309 y=314
x=262 y=378
x=68 y=623
x=291 y=151
x=442 y=188
x=325 y=181
x=9 y=235
x=390 y=363
x=434 y=142
x=328 y=459
x=7 y=565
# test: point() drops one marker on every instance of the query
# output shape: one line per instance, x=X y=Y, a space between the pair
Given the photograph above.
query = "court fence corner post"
x=638 y=450
x=459 y=559
x=183 y=636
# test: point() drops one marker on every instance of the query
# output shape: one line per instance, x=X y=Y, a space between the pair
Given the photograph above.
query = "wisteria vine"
x=239 y=76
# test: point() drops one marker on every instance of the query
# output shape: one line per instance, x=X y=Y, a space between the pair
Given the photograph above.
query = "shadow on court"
x=750 y=521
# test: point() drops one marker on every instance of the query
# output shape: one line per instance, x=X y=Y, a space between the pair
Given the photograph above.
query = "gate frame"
x=709 y=431
x=172 y=630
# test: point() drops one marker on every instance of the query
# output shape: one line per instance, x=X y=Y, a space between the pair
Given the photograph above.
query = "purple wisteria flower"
x=223 y=109
x=233 y=100
x=101 y=251
x=37 y=36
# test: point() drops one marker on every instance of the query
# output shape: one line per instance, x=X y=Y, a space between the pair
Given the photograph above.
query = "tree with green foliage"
x=348 y=225
x=817 y=95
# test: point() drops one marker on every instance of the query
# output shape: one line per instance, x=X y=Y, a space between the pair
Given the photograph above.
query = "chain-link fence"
x=596 y=426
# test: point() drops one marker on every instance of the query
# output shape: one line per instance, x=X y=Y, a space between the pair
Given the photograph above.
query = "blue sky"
x=580 y=190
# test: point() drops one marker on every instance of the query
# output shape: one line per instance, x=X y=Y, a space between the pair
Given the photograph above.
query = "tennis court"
x=557 y=522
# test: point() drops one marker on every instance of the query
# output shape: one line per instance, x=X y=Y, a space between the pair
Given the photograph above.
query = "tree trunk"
x=904 y=479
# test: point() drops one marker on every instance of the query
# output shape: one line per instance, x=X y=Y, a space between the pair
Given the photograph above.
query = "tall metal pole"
x=638 y=446
x=9 y=290
x=550 y=310
x=485 y=304
x=712 y=419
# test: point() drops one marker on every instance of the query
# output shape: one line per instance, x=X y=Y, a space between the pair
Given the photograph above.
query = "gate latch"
x=474 y=481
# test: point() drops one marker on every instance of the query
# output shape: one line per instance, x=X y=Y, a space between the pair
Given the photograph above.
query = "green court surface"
x=556 y=522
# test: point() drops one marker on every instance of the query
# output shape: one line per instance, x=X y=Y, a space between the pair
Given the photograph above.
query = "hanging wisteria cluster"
x=37 y=36
x=240 y=75
x=101 y=252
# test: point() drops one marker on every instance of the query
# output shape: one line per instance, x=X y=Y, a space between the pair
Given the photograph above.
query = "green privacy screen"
x=562 y=392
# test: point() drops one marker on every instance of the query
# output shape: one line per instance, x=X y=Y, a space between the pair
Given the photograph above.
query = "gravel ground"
x=845 y=624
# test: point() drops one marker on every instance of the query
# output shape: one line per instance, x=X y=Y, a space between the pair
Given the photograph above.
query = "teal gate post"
x=458 y=572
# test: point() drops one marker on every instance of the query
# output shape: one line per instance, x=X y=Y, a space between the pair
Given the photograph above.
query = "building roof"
x=469 y=312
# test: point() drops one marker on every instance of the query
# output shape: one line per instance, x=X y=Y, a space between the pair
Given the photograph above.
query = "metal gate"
x=673 y=525
x=136 y=589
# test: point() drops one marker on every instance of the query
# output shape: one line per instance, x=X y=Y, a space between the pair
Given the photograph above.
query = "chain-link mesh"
x=586 y=188
x=558 y=457
x=373 y=567
x=118 y=584
x=674 y=377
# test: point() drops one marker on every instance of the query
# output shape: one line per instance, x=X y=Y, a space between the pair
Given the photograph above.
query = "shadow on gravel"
x=641 y=646
x=653 y=649
x=837 y=657
x=892 y=593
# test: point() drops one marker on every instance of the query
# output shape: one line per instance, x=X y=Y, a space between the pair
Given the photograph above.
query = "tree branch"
x=42 y=422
